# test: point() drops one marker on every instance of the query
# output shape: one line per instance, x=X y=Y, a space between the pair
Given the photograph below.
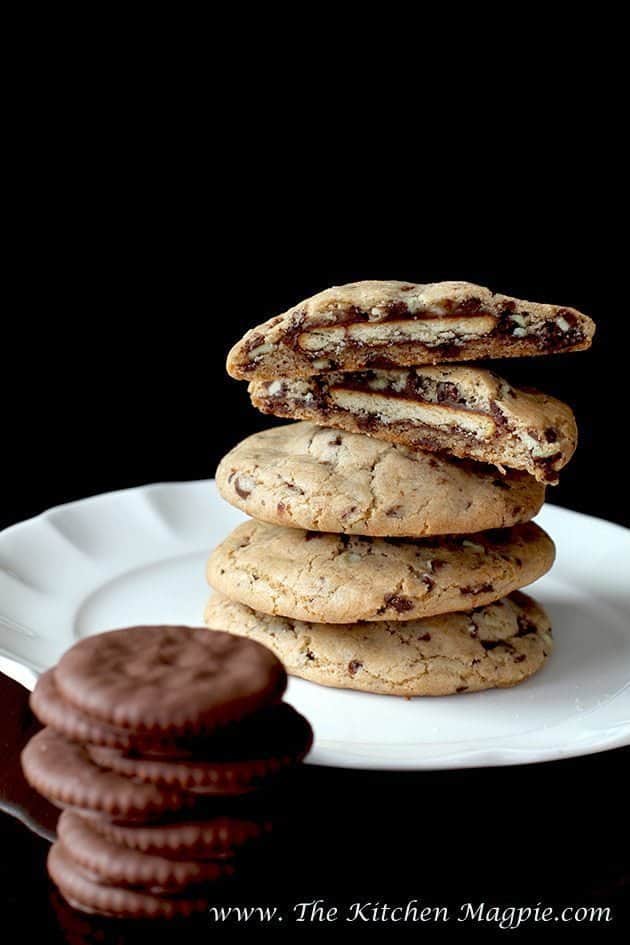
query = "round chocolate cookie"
x=329 y=578
x=320 y=479
x=123 y=866
x=499 y=645
x=49 y=707
x=172 y=681
x=279 y=739
x=83 y=891
x=215 y=838
x=64 y=772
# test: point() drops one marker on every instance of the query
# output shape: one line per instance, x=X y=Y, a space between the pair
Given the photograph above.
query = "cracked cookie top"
x=500 y=644
x=322 y=479
x=341 y=578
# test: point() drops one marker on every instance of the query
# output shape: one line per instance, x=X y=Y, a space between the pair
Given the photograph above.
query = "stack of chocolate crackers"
x=391 y=528
x=156 y=738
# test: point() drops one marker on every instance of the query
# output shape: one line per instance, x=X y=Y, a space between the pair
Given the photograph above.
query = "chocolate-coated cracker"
x=51 y=709
x=123 y=866
x=281 y=739
x=63 y=772
x=216 y=838
x=85 y=892
x=169 y=680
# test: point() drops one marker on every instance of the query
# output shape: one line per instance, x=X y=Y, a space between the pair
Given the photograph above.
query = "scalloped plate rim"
x=439 y=755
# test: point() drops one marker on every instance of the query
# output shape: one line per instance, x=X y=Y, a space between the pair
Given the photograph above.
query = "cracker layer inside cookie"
x=466 y=411
x=388 y=323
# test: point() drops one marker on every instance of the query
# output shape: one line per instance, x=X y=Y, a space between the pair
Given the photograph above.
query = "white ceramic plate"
x=138 y=556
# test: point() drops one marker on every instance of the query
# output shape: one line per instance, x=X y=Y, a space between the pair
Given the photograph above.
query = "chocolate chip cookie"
x=466 y=411
x=332 y=578
x=498 y=645
x=322 y=479
x=398 y=324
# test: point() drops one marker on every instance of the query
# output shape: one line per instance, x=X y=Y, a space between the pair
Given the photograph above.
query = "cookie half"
x=498 y=645
x=169 y=681
x=464 y=411
x=322 y=479
x=331 y=578
x=389 y=324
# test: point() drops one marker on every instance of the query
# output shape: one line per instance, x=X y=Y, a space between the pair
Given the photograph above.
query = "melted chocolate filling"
x=548 y=337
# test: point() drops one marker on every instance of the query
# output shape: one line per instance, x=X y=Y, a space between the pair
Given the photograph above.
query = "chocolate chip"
x=367 y=423
x=398 y=603
x=335 y=442
x=295 y=329
x=242 y=489
x=569 y=316
x=253 y=342
x=447 y=392
x=430 y=584
x=498 y=415
x=500 y=484
x=491 y=644
x=426 y=637
x=354 y=666
x=552 y=338
x=525 y=626
x=505 y=325
x=395 y=310
x=520 y=658
x=551 y=435
x=473 y=589
x=447 y=350
x=461 y=689
x=471 y=306
x=310 y=655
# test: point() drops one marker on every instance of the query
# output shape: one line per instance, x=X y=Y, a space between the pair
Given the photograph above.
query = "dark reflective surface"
x=556 y=833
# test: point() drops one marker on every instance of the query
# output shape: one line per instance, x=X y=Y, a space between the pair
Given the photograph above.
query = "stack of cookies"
x=153 y=738
x=391 y=527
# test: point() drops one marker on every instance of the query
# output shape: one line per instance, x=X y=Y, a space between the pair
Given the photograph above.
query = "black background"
x=141 y=255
